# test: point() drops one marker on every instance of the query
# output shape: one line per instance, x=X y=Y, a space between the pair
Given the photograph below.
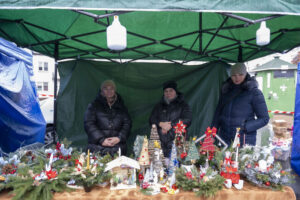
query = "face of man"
x=238 y=78
x=169 y=93
x=108 y=91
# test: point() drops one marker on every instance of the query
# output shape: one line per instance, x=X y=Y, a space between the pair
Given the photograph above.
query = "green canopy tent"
x=175 y=31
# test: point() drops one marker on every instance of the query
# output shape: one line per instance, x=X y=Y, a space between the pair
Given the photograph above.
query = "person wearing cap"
x=169 y=110
x=242 y=105
x=107 y=122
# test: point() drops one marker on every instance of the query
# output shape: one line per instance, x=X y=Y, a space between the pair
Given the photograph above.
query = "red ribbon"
x=228 y=160
x=210 y=132
x=78 y=163
x=51 y=174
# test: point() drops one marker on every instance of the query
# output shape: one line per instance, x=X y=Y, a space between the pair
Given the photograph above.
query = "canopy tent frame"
x=202 y=51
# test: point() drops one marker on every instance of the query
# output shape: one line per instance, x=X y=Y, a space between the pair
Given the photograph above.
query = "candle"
x=88 y=160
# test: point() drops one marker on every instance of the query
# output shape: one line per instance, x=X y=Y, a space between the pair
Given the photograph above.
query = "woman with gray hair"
x=107 y=122
x=241 y=104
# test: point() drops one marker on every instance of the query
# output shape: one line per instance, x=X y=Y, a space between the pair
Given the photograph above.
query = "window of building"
x=40 y=66
x=283 y=74
x=45 y=86
x=39 y=86
x=45 y=66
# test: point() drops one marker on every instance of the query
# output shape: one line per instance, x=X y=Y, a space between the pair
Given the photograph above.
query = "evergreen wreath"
x=203 y=185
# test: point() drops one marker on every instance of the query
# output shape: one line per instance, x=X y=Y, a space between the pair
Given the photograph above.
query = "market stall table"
x=249 y=192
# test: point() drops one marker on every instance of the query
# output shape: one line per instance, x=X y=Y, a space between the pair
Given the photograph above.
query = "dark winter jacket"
x=176 y=110
x=102 y=121
x=240 y=106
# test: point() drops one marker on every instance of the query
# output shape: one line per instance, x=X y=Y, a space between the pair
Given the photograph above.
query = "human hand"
x=165 y=126
x=114 y=140
x=107 y=142
x=164 y=131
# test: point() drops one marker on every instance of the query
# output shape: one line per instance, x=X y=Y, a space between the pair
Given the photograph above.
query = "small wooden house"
x=124 y=169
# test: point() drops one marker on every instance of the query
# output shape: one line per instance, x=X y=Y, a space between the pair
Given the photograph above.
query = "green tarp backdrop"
x=140 y=85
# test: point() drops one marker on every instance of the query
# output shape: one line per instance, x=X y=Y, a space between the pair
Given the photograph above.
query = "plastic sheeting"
x=257 y=6
x=295 y=158
x=140 y=85
x=21 y=119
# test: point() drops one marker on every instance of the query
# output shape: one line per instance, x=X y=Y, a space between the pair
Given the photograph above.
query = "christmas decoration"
x=124 y=169
x=157 y=161
x=153 y=141
x=144 y=159
x=212 y=133
x=258 y=166
x=138 y=144
x=173 y=161
x=180 y=134
x=205 y=185
x=230 y=168
x=192 y=154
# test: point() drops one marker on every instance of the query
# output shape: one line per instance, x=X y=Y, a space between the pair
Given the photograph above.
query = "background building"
x=43 y=69
x=277 y=80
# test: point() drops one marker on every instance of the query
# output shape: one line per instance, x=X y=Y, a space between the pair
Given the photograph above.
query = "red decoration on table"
x=180 y=128
x=267 y=183
x=189 y=175
x=233 y=176
x=174 y=187
x=58 y=145
x=51 y=174
x=164 y=189
x=77 y=162
x=145 y=185
x=183 y=155
x=208 y=143
x=141 y=177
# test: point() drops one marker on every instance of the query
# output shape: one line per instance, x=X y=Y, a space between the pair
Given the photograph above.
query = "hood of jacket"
x=117 y=104
x=248 y=84
x=178 y=99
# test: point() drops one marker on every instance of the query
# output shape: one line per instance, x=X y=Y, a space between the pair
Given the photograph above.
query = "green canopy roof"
x=162 y=33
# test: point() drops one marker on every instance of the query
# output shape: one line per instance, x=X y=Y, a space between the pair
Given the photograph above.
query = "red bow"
x=51 y=174
x=212 y=132
x=78 y=163
x=228 y=160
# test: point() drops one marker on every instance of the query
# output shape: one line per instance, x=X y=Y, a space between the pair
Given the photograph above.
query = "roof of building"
x=122 y=160
x=275 y=64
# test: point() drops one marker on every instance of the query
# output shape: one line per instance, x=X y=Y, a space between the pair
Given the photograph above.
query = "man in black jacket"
x=167 y=113
x=107 y=122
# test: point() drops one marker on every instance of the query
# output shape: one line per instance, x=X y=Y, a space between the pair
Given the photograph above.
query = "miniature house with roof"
x=124 y=169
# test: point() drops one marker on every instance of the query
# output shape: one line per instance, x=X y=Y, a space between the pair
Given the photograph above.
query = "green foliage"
x=27 y=188
x=147 y=191
x=182 y=181
x=211 y=187
x=202 y=188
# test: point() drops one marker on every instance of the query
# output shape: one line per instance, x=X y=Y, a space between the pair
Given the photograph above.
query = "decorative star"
x=180 y=127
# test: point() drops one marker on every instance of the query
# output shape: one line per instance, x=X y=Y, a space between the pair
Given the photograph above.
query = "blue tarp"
x=21 y=119
x=295 y=158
